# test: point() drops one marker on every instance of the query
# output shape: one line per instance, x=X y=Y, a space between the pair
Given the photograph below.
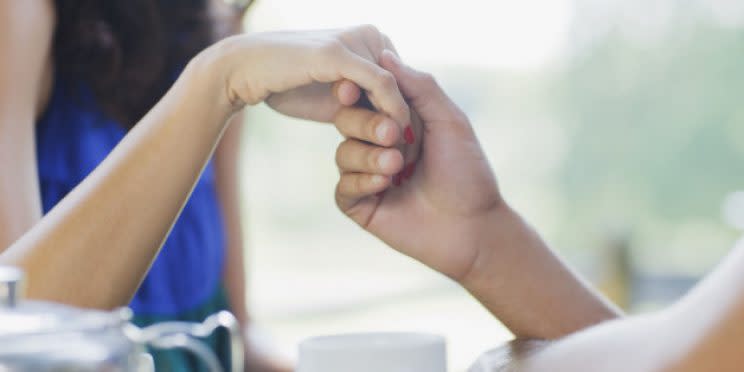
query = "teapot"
x=49 y=337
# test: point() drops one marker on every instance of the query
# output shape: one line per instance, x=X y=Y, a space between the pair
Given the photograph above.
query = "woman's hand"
x=441 y=201
x=446 y=211
x=316 y=101
x=295 y=69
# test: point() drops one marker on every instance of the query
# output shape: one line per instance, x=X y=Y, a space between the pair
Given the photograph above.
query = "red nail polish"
x=409 y=136
x=408 y=171
x=397 y=179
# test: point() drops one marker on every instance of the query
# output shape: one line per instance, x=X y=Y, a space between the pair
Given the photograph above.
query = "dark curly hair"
x=129 y=51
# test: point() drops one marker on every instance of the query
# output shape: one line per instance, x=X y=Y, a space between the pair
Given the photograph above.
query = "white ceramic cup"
x=374 y=352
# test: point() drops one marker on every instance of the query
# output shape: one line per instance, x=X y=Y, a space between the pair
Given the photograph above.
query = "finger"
x=366 y=125
x=356 y=156
x=378 y=82
x=377 y=42
x=347 y=92
x=311 y=102
x=411 y=81
x=425 y=95
x=353 y=186
x=413 y=151
x=355 y=190
x=388 y=44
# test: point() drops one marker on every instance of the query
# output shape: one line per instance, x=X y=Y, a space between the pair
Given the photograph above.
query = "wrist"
x=209 y=75
x=521 y=281
x=234 y=67
x=500 y=227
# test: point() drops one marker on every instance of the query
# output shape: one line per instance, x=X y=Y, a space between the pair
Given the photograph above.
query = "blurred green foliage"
x=656 y=141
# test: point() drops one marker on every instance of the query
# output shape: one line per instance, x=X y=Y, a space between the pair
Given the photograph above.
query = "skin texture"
x=228 y=176
x=26 y=73
x=26 y=28
x=94 y=247
x=34 y=20
x=701 y=332
x=453 y=196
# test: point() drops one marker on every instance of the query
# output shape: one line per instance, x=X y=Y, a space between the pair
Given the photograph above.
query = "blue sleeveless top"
x=73 y=137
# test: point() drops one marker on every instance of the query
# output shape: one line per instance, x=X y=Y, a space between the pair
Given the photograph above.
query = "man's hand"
x=440 y=200
x=446 y=211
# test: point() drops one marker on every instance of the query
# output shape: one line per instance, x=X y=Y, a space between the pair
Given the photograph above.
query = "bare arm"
x=527 y=286
x=227 y=173
x=26 y=29
x=227 y=168
x=708 y=323
x=95 y=246
x=447 y=212
x=228 y=188
x=702 y=332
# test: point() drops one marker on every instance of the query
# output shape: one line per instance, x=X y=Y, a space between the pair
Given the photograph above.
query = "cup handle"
x=183 y=335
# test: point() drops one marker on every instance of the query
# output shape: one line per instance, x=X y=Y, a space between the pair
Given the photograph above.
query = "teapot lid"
x=20 y=317
x=36 y=318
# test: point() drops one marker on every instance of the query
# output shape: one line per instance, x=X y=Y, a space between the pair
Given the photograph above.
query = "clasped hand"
x=417 y=179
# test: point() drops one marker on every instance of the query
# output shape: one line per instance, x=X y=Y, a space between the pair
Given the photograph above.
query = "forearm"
x=228 y=173
x=235 y=283
x=228 y=188
x=639 y=343
x=95 y=246
x=708 y=323
x=26 y=29
x=702 y=332
x=20 y=201
x=524 y=284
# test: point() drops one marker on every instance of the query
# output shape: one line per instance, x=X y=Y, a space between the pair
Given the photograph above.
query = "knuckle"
x=359 y=183
x=348 y=184
x=340 y=199
x=372 y=157
x=340 y=150
x=332 y=48
x=387 y=43
x=386 y=39
x=349 y=35
x=386 y=80
x=368 y=29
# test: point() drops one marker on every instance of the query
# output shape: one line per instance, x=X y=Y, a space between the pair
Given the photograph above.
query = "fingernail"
x=409 y=136
x=378 y=180
x=382 y=129
x=385 y=160
x=408 y=171
x=397 y=180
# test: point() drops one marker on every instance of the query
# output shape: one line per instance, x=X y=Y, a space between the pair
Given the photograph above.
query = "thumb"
x=421 y=90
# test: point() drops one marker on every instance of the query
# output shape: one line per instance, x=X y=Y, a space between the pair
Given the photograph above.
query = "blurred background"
x=615 y=126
